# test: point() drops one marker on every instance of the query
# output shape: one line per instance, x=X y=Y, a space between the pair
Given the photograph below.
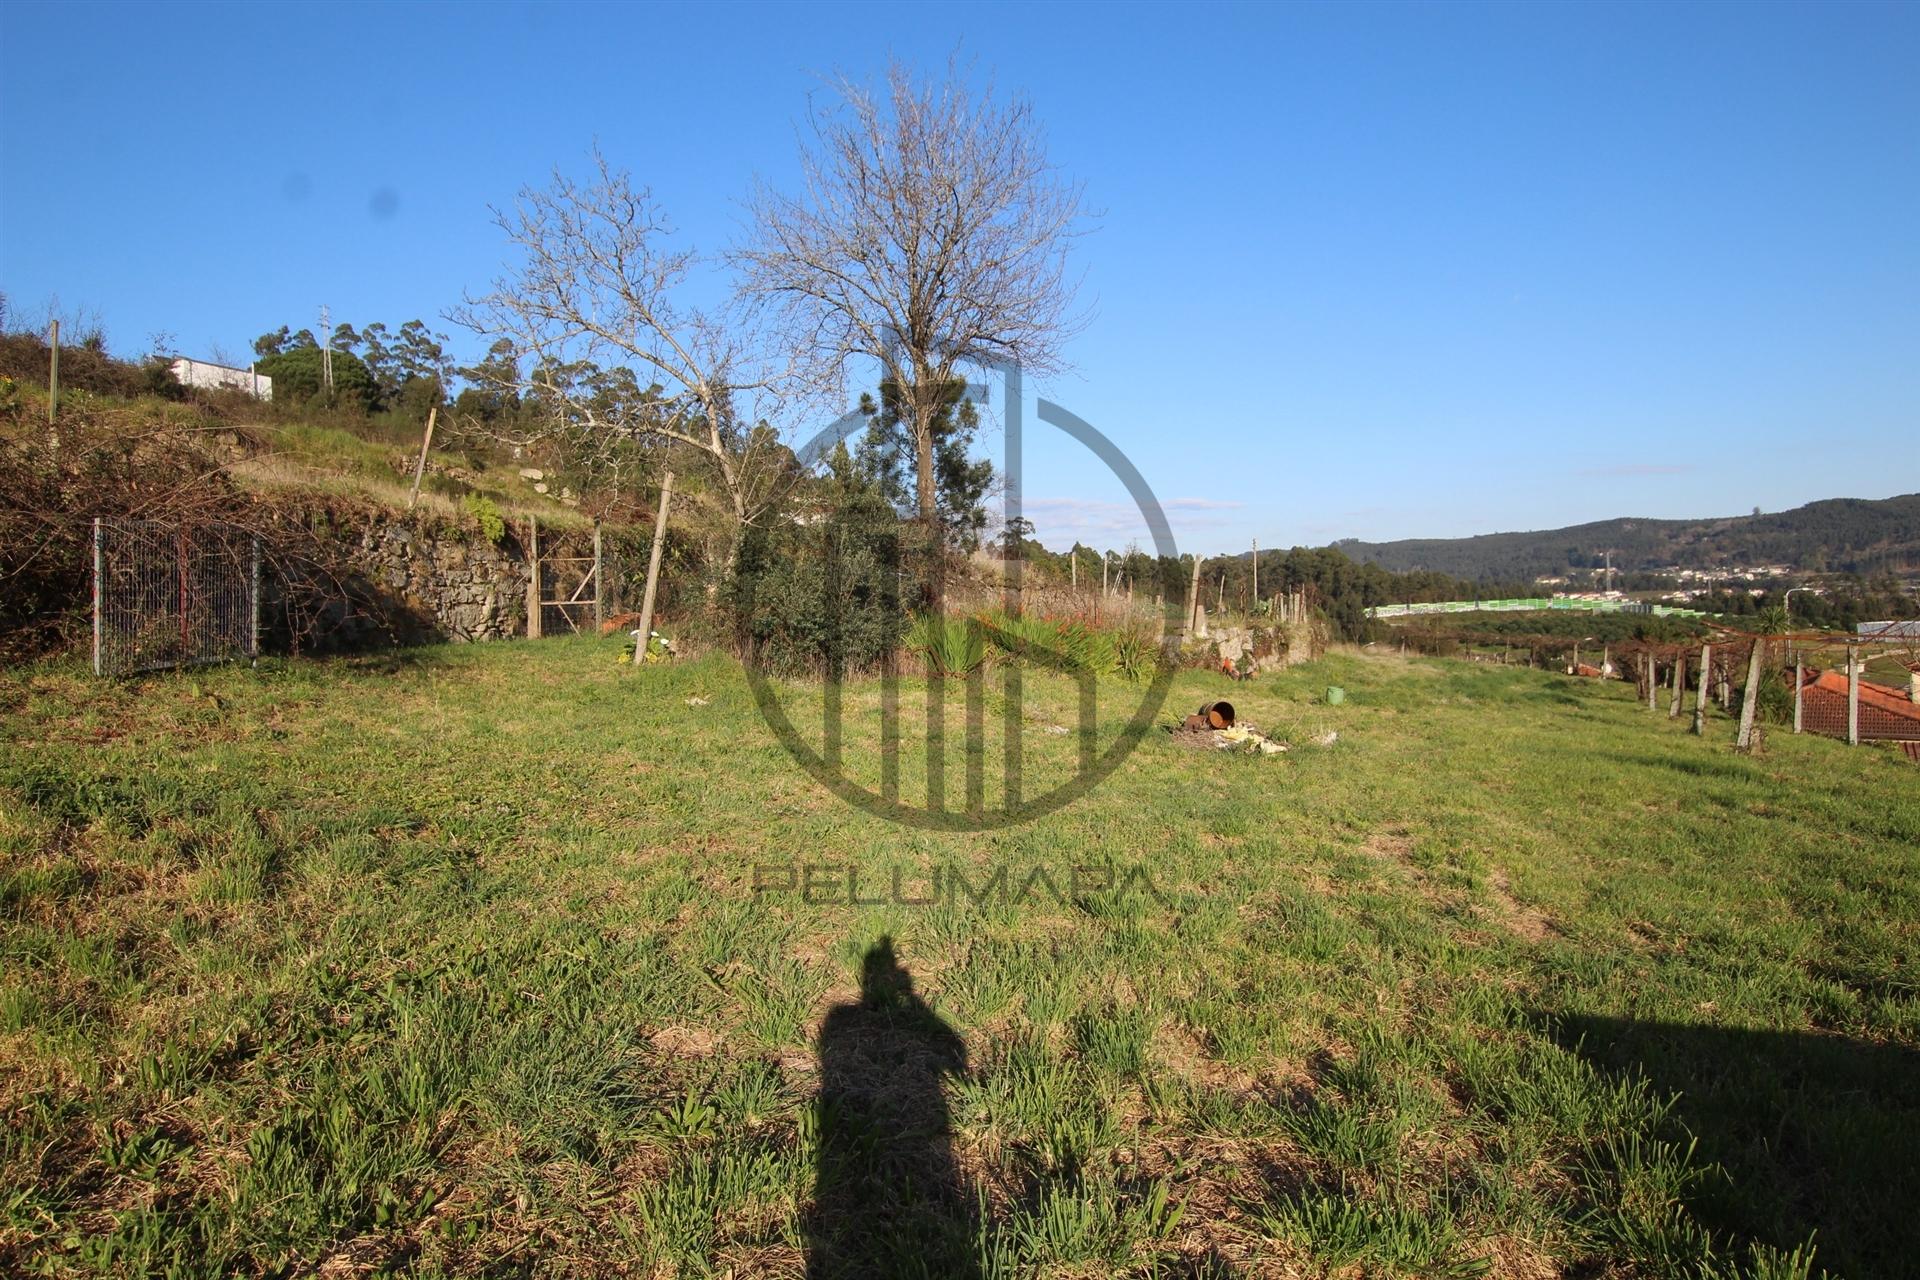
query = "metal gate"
x=579 y=599
x=170 y=595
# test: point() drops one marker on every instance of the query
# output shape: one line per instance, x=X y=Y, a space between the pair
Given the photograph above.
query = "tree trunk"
x=923 y=461
x=1750 y=699
x=928 y=493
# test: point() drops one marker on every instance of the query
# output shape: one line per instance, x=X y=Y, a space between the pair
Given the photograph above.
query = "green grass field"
x=482 y=960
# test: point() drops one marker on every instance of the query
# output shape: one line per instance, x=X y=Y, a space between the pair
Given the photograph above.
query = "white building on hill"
x=212 y=377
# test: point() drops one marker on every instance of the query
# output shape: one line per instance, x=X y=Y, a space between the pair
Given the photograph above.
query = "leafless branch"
x=930 y=231
x=598 y=284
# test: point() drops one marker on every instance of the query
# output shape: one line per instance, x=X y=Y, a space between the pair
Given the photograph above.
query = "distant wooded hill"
x=1840 y=535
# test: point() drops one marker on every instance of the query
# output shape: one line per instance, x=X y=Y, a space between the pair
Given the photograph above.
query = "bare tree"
x=930 y=232
x=599 y=289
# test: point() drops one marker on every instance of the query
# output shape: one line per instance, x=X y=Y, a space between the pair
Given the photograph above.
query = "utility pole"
x=326 y=349
x=1256 y=573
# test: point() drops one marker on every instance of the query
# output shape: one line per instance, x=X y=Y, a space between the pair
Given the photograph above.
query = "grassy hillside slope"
x=453 y=962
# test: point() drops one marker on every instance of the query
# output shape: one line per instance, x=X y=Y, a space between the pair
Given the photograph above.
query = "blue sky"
x=1365 y=270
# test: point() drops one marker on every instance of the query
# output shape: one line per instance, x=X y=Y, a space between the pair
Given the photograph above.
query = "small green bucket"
x=1335 y=695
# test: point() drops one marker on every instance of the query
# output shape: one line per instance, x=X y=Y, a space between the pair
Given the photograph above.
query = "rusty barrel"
x=1218 y=715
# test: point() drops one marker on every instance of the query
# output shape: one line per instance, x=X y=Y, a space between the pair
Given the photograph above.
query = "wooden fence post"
x=1193 y=597
x=253 y=606
x=533 y=577
x=642 y=640
x=99 y=571
x=1679 y=684
x=599 y=580
x=1700 y=694
x=53 y=373
x=420 y=467
x=1749 y=736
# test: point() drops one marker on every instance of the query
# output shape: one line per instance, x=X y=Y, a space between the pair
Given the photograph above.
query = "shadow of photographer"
x=888 y=1198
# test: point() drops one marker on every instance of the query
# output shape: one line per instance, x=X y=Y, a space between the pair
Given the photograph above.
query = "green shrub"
x=1136 y=656
x=1776 y=699
x=492 y=524
x=24 y=358
x=298 y=378
x=1070 y=644
x=820 y=598
x=949 y=646
x=158 y=380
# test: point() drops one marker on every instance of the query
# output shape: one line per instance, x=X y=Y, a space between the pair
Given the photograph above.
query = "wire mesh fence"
x=575 y=605
x=172 y=595
x=566 y=594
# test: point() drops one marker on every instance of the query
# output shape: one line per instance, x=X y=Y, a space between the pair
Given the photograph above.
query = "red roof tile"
x=1884 y=712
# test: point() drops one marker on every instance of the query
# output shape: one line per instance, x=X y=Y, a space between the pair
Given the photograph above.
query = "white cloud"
x=1632 y=470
